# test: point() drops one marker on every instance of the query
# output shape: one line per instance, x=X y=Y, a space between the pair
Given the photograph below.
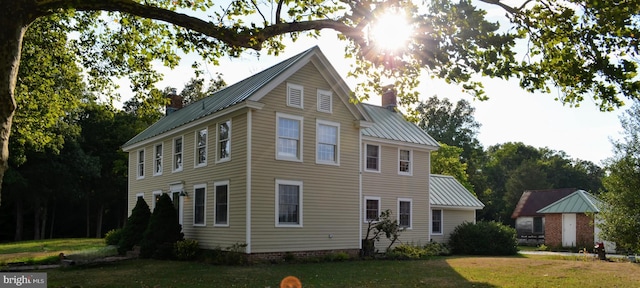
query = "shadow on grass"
x=435 y=272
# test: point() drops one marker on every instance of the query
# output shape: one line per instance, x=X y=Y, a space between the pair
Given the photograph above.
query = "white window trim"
x=364 y=211
x=153 y=199
x=206 y=149
x=300 y=201
x=410 y=162
x=410 y=212
x=328 y=123
x=138 y=163
x=320 y=93
x=204 y=211
x=173 y=154
x=215 y=203
x=379 y=158
x=300 y=140
x=228 y=158
x=299 y=87
x=441 y=222
x=138 y=195
x=155 y=157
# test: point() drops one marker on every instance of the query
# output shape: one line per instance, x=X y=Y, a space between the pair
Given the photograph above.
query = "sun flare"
x=391 y=31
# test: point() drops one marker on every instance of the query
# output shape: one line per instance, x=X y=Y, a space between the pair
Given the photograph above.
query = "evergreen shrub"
x=133 y=230
x=162 y=232
x=483 y=238
x=113 y=236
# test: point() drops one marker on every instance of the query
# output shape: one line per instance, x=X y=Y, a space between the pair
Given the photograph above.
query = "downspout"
x=248 y=196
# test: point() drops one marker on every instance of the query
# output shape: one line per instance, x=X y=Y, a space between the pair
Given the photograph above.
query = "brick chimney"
x=176 y=102
x=389 y=98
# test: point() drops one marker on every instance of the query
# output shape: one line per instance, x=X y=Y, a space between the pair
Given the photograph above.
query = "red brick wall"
x=584 y=231
x=553 y=230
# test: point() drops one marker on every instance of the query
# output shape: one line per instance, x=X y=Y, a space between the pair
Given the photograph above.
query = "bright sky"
x=510 y=115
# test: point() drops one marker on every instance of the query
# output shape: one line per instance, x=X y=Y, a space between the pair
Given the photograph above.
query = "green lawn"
x=47 y=251
x=517 y=271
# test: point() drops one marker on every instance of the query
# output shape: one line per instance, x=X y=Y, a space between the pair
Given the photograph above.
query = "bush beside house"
x=133 y=230
x=163 y=231
x=483 y=238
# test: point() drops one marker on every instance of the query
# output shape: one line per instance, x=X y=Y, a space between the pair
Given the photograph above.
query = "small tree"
x=376 y=227
x=133 y=230
x=162 y=232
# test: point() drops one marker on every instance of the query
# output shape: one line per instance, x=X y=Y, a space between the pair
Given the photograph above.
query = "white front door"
x=569 y=230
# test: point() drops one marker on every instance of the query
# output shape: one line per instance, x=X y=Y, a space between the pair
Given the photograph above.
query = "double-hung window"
x=371 y=209
x=289 y=137
x=199 y=204
x=372 y=158
x=288 y=203
x=201 y=147
x=140 y=167
x=328 y=142
x=436 y=221
x=404 y=162
x=157 y=163
x=222 y=203
x=224 y=141
x=404 y=212
x=177 y=154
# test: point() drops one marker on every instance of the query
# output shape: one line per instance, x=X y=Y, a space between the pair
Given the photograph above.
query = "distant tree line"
x=500 y=173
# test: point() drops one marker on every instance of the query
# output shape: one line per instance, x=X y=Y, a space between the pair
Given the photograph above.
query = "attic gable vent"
x=295 y=95
x=324 y=101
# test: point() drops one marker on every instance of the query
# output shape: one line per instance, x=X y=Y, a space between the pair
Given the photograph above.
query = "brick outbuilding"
x=570 y=221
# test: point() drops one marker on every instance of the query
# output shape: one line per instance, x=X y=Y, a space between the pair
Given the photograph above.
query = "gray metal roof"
x=391 y=125
x=445 y=190
x=577 y=202
x=219 y=100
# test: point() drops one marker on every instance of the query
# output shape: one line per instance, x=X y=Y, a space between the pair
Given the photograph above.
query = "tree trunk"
x=43 y=217
x=37 y=215
x=19 y=220
x=15 y=17
x=53 y=220
x=99 y=215
x=88 y=215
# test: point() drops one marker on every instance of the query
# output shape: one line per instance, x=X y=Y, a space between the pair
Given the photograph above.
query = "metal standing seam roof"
x=445 y=190
x=227 y=97
x=391 y=125
x=579 y=201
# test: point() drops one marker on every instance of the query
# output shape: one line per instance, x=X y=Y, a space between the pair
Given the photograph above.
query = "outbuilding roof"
x=533 y=200
x=446 y=191
x=577 y=202
x=391 y=125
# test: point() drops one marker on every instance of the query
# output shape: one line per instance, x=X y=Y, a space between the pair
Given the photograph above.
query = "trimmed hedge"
x=483 y=238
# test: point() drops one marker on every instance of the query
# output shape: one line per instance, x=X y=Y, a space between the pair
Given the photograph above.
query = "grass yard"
x=534 y=271
x=47 y=251
x=517 y=271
